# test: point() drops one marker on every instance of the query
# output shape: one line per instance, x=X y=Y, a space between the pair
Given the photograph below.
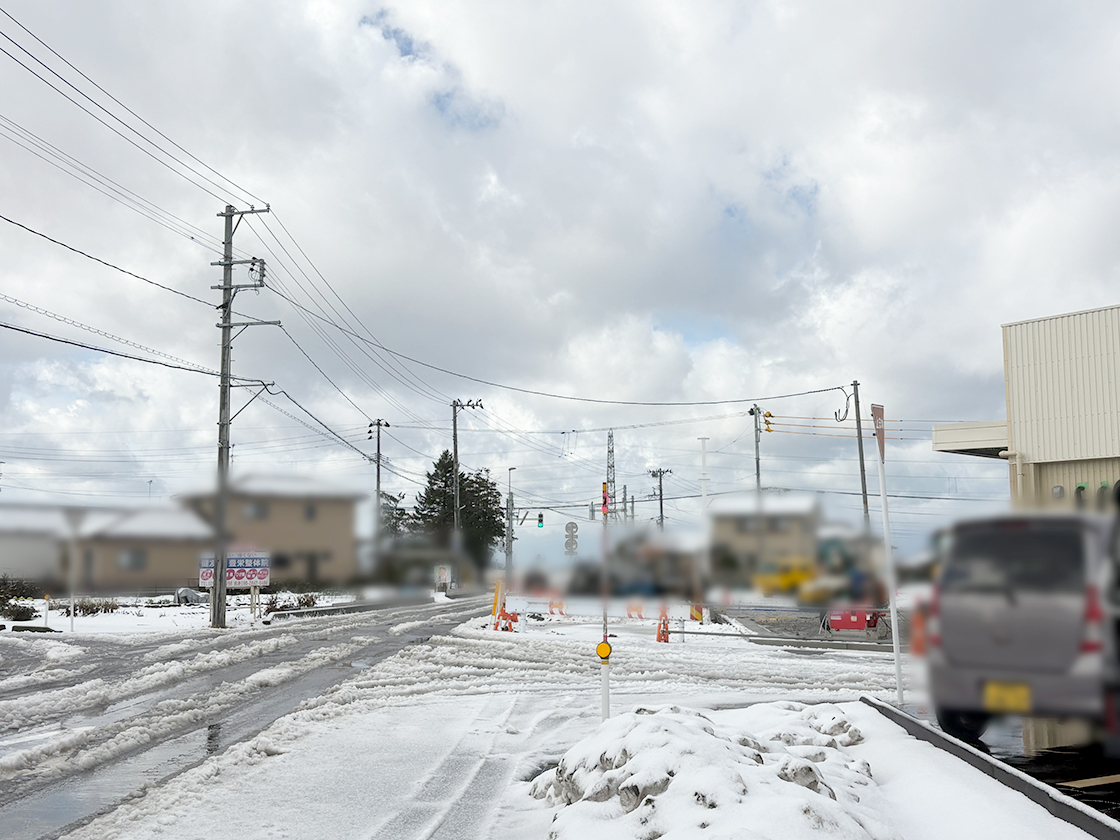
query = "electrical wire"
x=105 y=263
x=126 y=108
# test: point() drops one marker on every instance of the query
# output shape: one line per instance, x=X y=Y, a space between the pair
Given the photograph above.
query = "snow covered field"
x=484 y=734
x=155 y=615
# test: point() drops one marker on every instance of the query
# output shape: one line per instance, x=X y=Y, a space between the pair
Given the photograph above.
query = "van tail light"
x=1092 y=641
x=933 y=625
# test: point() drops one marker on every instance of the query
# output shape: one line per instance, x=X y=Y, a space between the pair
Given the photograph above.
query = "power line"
x=84 y=346
x=121 y=104
x=116 y=131
x=104 y=263
x=70 y=321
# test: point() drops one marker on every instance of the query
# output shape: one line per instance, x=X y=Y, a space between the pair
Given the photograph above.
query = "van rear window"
x=1036 y=558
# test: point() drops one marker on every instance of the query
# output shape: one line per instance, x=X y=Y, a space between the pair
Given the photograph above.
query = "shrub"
x=18 y=612
x=88 y=606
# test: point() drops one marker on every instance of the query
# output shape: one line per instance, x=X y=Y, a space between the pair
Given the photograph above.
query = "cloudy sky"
x=648 y=202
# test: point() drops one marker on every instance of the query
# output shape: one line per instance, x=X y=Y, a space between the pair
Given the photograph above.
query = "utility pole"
x=659 y=474
x=375 y=545
x=705 y=563
x=862 y=469
x=229 y=292
x=509 y=527
x=703 y=475
x=625 y=510
x=756 y=413
x=456 y=405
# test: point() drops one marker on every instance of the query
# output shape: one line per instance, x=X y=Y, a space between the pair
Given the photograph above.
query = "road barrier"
x=593 y=607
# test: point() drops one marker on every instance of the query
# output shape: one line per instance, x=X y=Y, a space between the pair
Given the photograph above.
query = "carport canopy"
x=985 y=439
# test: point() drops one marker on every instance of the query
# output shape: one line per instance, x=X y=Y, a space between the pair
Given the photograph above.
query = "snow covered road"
x=89 y=720
x=459 y=736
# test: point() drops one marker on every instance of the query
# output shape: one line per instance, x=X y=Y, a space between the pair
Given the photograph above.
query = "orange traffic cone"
x=663 y=625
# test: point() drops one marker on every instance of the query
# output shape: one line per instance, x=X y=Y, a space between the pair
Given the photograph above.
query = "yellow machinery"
x=787 y=574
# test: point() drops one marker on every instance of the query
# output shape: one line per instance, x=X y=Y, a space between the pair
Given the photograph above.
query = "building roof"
x=49 y=520
x=32 y=519
x=785 y=504
x=162 y=523
x=1063 y=315
x=282 y=487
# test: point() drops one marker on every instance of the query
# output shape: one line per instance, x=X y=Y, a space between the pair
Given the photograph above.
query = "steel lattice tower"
x=610 y=475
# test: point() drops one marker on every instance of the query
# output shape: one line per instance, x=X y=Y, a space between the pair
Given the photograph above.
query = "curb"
x=348 y=607
x=1064 y=807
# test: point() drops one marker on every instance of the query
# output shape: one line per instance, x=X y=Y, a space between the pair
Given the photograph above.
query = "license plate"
x=1007 y=697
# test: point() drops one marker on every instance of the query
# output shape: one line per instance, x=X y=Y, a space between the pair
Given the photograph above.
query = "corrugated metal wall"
x=1071 y=473
x=1062 y=388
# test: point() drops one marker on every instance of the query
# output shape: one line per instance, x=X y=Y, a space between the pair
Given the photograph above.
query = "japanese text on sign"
x=244 y=569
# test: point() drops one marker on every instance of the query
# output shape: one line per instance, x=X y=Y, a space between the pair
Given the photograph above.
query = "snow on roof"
x=283 y=487
x=167 y=523
x=26 y=519
x=50 y=520
x=786 y=504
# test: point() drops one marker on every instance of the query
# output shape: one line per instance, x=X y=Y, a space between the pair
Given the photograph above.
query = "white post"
x=888 y=559
x=604 y=678
x=74 y=517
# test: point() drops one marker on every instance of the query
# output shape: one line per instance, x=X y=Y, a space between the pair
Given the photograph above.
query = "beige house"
x=306 y=526
x=140 y=549
x=1061 y=438
x=752 y=531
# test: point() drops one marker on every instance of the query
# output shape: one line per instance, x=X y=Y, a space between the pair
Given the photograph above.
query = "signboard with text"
x=244 y=569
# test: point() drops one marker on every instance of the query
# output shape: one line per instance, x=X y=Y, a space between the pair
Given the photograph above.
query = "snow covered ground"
x=156 y=615
x=485 y=734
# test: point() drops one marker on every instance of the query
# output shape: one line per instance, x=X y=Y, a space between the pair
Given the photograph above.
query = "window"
x=132 y=559
x=255 y=510
x=309 y=512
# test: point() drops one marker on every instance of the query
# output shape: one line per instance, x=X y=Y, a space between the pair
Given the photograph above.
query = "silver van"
x=1016 y=623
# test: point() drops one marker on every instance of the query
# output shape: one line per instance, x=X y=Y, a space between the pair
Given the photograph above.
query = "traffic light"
x=540 y=520
x=766 y=415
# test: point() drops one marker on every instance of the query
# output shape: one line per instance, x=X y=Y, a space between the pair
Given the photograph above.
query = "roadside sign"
x=604 y=650
x=880 y=430
x=244 y=570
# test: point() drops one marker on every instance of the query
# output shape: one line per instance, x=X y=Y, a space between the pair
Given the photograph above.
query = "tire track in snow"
x=43 y=706
x=89 y=748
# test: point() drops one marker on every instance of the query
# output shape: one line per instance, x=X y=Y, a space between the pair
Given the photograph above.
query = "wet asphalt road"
x=310 y=655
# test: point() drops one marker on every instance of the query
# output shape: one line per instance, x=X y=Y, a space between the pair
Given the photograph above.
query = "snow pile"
x=672 y=772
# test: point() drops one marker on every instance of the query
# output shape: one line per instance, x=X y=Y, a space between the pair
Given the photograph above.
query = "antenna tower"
x=610 y=476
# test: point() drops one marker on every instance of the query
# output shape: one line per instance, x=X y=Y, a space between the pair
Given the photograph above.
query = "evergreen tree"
x=482 y=517
x=394 y=518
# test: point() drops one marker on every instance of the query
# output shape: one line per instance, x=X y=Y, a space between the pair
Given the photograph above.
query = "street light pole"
x=509 y=527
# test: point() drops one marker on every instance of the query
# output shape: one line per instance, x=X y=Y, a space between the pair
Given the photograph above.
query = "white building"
x=1061 y=437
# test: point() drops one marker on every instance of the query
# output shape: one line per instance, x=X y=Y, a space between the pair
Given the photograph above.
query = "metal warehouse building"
x=1062 y=434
